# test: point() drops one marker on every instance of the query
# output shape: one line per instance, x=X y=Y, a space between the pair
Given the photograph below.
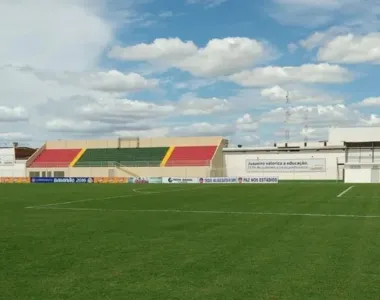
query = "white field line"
x=251 y=213
x=361 y=197
x=345 y=191
x=137 y=192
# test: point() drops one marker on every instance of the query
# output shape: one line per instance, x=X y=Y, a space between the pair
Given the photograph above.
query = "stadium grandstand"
x=349 y=154
x=130 y=157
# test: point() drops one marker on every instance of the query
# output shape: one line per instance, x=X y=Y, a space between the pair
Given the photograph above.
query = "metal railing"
x=128 y=164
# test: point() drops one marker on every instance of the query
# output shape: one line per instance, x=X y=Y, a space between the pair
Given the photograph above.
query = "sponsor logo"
x=64 y=180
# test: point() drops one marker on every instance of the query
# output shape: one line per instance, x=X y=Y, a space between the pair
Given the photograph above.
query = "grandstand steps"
x=125 y=170
x=34 y=156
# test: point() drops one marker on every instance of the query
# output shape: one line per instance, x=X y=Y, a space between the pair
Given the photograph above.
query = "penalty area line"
x=251 y=213
x=345 y=191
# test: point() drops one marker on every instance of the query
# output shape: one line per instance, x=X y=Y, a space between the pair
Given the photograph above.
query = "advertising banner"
x=142 y=180
x=180 y=180
x=14 y=180
x=239 y=180
x=218 y=180
x=286 y=165
x=61 y=179
x=273 y=179
x=110 y=180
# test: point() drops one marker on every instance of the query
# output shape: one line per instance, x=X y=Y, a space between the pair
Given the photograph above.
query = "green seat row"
x=133 y=157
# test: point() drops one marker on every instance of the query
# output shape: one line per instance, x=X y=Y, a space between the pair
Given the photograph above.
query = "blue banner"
x=61 y=179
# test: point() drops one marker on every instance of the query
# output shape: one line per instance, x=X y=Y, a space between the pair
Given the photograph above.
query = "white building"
x=352 y=154
x=9 y=166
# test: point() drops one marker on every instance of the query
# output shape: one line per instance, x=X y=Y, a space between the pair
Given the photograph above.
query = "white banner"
x=180 y=180
x=240 y=180
x=273 y=179
x=285 y=165
x=218 y=180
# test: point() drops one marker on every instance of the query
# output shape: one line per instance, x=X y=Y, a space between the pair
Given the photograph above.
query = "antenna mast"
x=306 y=126
x=287 y=117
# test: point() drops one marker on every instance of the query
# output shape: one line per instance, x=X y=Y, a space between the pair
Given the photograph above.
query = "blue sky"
x=105 y=68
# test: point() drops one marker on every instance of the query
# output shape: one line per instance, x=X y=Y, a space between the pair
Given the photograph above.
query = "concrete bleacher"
x=182 y=157
x=50 y=158
x=197 y=156
x=136 y=157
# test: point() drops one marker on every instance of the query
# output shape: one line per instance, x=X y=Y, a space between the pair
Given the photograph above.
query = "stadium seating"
x=137 y=157
x=55 y=158
x=196 y=156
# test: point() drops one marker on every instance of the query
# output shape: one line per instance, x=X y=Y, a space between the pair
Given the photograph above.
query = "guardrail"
x=128 y=164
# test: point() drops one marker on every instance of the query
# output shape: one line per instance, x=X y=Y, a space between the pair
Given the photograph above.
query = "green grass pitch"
x=189 y=242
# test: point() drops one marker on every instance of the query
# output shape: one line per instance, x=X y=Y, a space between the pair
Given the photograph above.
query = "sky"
x=87 y=69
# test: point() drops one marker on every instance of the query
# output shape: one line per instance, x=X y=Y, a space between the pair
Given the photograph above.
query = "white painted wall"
x=357 y=176
x=17 y=170
x=235 y=163
x=354 y=134
x=7 y=156
x=362 y=173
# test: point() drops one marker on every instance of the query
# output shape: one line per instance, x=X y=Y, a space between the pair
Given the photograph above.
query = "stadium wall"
x=149 y=142
x=316 y=164
x=217 y=163
x=18 y=169
x=115 y=172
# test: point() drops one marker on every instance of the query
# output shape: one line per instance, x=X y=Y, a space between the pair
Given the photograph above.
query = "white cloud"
x=320 y=38
x=114 y=81
x=328 y=115
x=111 y=81
x=373 y=120
x=191 y=105
x=219 y=57
x=123 y=110
x=356 y=14
x=154 y=132
x=160 y=51
x=246 y=123
x=14 y=137
x=207 y=3
x=13 y=114
x=368 y=102
x=71 y=36
x=308 y=73
x=224 y=57
x=203 y=129
x=352 y=49
x=292 y=47
x=277 y=95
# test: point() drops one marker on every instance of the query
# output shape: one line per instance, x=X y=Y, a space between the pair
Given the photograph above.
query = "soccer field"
x=211 y=242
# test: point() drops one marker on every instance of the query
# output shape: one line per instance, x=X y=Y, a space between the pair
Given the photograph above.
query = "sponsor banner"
x=269 y=179
x=180 y=180
x=14 y=180
x=110 y=180
x=142 y=180
x=61 y=179
x=239 y=180
x=285 y=165
x=218 y=180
